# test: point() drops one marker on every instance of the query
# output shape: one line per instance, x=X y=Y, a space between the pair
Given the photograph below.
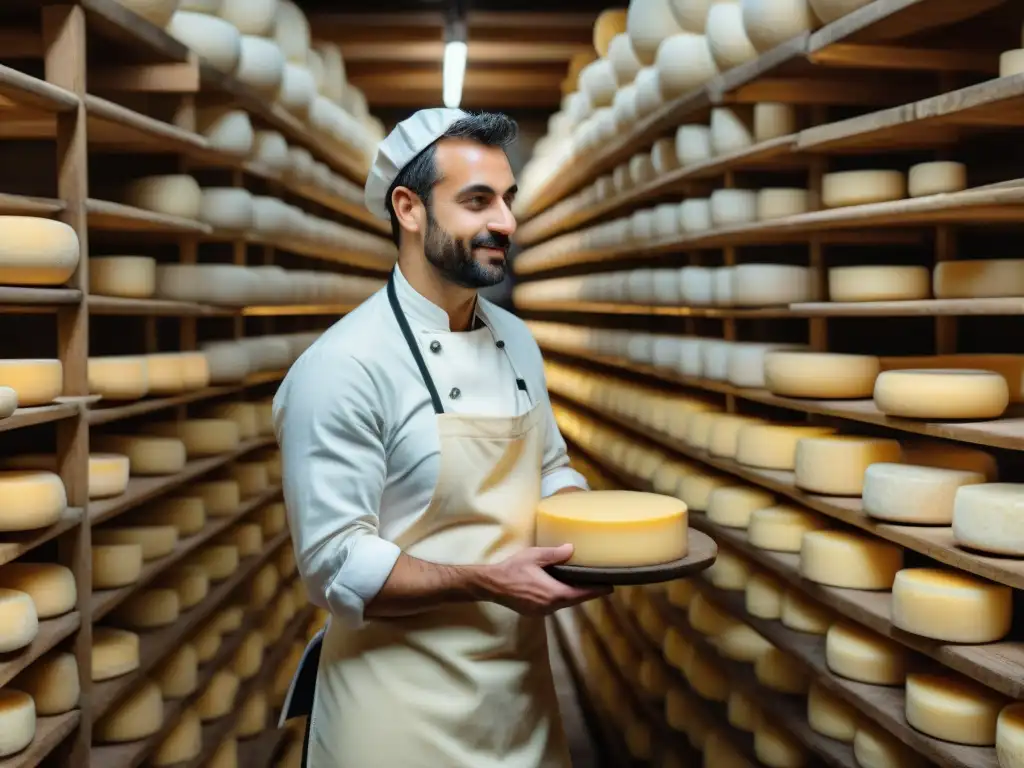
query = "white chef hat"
x=400 y=147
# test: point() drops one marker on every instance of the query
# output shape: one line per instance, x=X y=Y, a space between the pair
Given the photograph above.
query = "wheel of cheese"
x=781 y=202
x=291 y=31
x=830 y=10
x=189 y=581
x=936 y=178
x=195 y=371
x=251 y=17
x=219 y=561
x=227 y=208
x=834 y=465
x=648 y=22
x=950 y=606
x=146 y=455
x=746 y=359
x=156 y=540
x=609 y=24
x=614 y=528
x=941 y=394
x=781 y=528
x=202 y=437
x=1010 y=736
x=684 y=63
x=953 y=708
x=846 y=188
x=30 y=500
x=766 y=285
x=625 y=64
x=905 y=493
x=850 y=560
x=707 y=677
x=742 y=711
x=18 y=718
x=216 y=41
x=37 y=251
x=272 y=519
x=769 y=23
x=148 y=609
x=140 y=715
x=804 y=615
x=298 y=88
x=733 y=505
x=821 y=375
x=157 y=12
x=597 y=80
x=649 y=96
x=764 y=597
x=707 y=618
x=693 y=145
x=741 y=643
x=729 y=572
x=271 y=149
x=1011 y=62
x=773 y=446
x=19 y=622
x=174 y=195
x=119 y=378
x=724 y=433
x=776 y=748
x=115 y=652
x=875 y=748
x=37 y=382
x=132 y=277
x=219 y=696
x=882 y=283
x=856 y=653
x=779 y=671
x=52 y=682
x=228 y=130
x=731 y=207
x=116 y=565
x=978 y=279
x=8 y=402
x=732 y=129
x=829 y=715
x=772 y=120
x=727 y=38
x=52 y=587
x=988 y=518
x=183 y=743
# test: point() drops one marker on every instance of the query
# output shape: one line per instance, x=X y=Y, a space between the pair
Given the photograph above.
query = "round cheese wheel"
x=155 y=540
x=850 y=560
x=1011 y=62
x=291 y=31
x=1010 y=736
x=978 y=279
x=830 y=10
x=773 y=446
x=30 y=500
x=693 y=145
x=37 y=251
x=953 y=709
x=905 y=493
x=765 y=285
x=597 y=80
x=649 y=96
x=884 y=283
x=146 y=455
x=935 y=178
x=729 y=572
x=769 y=23
x=174 y=195
x=741 y=643
x=52 y=587
x=189 y=581
x=216 y=41
x=271 y=149
x=219 y=562
x=950 y=606
x=18 y=716
x=732 y=129
x=139 y=715
x=614 y=528
x=824 y=375
x=875 y=748
x=707 y=677
x=781 y=528
x=202 y=437
x=776 y=748
x=764 y=597
x=859 y=654
x=772 y=120
x=148 y=609
x=950 y=456
x=8 y=402
x=782 y=202
x=37 y=382
x=733 y=506
x=684 y=63
x=157 y=12
x=648 y=22
x=731 y=207
x=725 y=430
x=119 y=378
x=727 y=38
x=804 y=615
x=228 y=130
x=115 y=652
x=132 y=277
x=19 y=622
x=780 y=671
x=183 y=743
x=227 y=208
x=829 y=715
x=298 y=88
x=251 y=17
x=988 y=518
x=626 y=65
x=707 y=618
x=116 y=565
x=845 y=188
x=942 y=394
x=742 y=711
x=52 y=682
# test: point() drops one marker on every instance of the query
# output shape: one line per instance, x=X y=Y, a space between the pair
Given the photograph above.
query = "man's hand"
x=520 y=582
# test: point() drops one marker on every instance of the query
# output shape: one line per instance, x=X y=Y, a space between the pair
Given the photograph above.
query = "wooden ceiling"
x=519 y=51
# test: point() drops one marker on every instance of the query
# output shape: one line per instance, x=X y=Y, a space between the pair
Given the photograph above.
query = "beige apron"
x=465 y=685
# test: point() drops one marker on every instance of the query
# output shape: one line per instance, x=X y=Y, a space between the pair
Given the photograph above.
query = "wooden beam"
x=906 y=59
x=475 y=99
x=504 y=79
x=498 y=52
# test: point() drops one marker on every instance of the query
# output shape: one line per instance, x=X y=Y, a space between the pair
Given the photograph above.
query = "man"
x=417 y=438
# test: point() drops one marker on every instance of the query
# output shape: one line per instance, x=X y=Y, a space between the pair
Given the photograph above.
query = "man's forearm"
x=416 y=585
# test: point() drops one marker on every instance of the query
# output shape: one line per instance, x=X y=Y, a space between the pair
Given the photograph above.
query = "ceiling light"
x=455 y=54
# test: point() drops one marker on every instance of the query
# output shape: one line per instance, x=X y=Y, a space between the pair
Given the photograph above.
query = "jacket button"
x=500 y=344
x=435 y=347
x=455 y=393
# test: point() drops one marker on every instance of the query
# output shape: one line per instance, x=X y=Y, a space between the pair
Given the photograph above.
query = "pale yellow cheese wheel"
x=941 y=394
x=115 y=652
x=37 y=382
x=37 y=251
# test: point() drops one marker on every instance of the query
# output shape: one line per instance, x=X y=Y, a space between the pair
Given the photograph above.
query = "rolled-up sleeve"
x=334 y=466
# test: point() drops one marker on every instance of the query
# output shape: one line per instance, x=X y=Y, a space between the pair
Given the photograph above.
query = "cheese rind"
x=778 y=670
x=140 y=715
x=781 y=528
x=835 y=465
x=951 y=606
x=977 y=279
x=147 y=456
x=773 y=446
x=764 y=597
x=879 y=283
x=775 y=748
x=17 y=721
x=990 y=518
x=52 y=682
x=148 y=609
x=953 y=709
x=729 y=571
x=850 y=560
x=941 y=394
x=1010 y=736
x=130 y=277
x=904 y=493
x=733 y=505
x=821 y=375
x=115 y=652
x=19 y=622
x=875 y=748
x=52 y=587
x=845 y=188
x=829 y=715
x=178 y=675
x=115 y=565
x=156 y=541
x=741 y=643
x=804 y=615
x=707 y=618
x=936 y=177
x=30 y=500
x=183 y=743
x=614 y=528
x=37 y=251
x=37 y=382
x=218 y=698
x=856 y=653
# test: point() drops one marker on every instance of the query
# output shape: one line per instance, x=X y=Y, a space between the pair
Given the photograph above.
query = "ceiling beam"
x=510 y=79
x=489 y=52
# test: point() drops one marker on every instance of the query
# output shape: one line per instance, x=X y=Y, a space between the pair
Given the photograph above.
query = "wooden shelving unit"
x=942 y=99
x=76 y=125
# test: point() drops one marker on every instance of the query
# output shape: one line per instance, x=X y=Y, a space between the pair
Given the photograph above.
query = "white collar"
x=422 y=313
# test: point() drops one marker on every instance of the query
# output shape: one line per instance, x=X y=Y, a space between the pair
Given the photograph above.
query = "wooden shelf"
x=51 y=633
x=105 y=600
x=260 y=751
x=885 y=705
x=296 y=310
x=40 y=414
x=142 y=489
x=640 y=310
x=155 y=645
x=31 y=92
x=117 y=217
x=22 y=205
x=14 y=544
x=113 y=305
x=50 y=733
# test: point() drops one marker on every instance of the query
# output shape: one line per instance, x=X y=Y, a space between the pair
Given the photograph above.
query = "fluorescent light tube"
x=454 y=72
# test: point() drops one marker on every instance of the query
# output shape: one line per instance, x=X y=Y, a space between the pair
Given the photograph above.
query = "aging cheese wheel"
x=229 y=131
x=953 y=708
x=988 y=517
x=829 y=715
x=19 y=622
x=219 y=696
x=773 y=446
x=779 y=671
x=941 y=394
x=1010 y=736
x=804 y=615
x=742 y=711
x=37 y=251
x=882 y=283
x=17 y=721
x=834 y=465
x=856 y=653
x=937 y=177
x=178 y=676
x=156 y=12
x=695 y=490
x=215 y=40
x=272 y=519
x=183 y=743
x=37 y=382
x=219 y=562
x=30 y=500
x=727 y=38
x=765 y=285
x=777 y=203
x=648 y=22
x=729 y=571
x=52 y=682
x=876 y=748
x=771 y=22
x=119 y=377
x=821 y=375
x=722 y=440
x=227 y=208
x=260 y=64
x=950 y=606
x=251 y=17
x=116 y=565
x=904 y=493
x=174 y=195
x=949 y=456
x=248 y=537
x=52 y=587
x=732 y=207
x=148 y=609
x=189 y=581
x=243 y=414
x=220 y=497
x=776 y=748
x=251 y=477
x=8 y=402
x=781 y=528
x=614 y=528
x=764 y=597
x=706 y=618
x=741 y=643
x=978 y=279
x=830 y=10
x=202 y=437
x=115 y=652
x=773 y=119
x=707 y=677
x=732 y=129
x=166 y=373
x=186 y=513
x=140 y=715
x=693 y=145
x=733 y=505
x=851 y=560
x=253 y=717
x=845 y=188
x=156 y=540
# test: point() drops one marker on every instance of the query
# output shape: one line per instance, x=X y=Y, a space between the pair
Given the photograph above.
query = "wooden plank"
x=23 y=205
x=142 y=489
x=114 y=305
x=259 y=751
x=885 y=705
x=15 y=544
x=896 y=19
x=106 y=415
x=603 y=308
x=39 y=414
x=50 y=732
x=286 y=310
x=111 y=123
x=118 y=217
x=51 y=633
x=116 y=22
x=32 y=92
x=898 y=57
x=105 y=600
x=917 y=308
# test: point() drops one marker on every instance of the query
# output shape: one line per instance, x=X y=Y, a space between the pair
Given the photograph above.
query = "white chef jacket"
x=358 y=433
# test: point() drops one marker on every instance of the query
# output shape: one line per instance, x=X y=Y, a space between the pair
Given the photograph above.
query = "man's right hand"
x=522 y=584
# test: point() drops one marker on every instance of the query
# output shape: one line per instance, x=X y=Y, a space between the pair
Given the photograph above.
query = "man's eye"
x=479 y=201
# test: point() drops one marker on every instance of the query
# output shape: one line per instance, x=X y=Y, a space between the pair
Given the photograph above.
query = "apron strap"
x=410 y=340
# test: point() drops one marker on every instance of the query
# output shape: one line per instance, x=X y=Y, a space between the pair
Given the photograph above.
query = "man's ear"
x=409 y=210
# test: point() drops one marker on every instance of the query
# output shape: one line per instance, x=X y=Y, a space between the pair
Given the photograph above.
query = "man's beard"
x=454 y=259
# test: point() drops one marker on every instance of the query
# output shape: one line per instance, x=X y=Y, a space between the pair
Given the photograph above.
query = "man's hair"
x=492 y=129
